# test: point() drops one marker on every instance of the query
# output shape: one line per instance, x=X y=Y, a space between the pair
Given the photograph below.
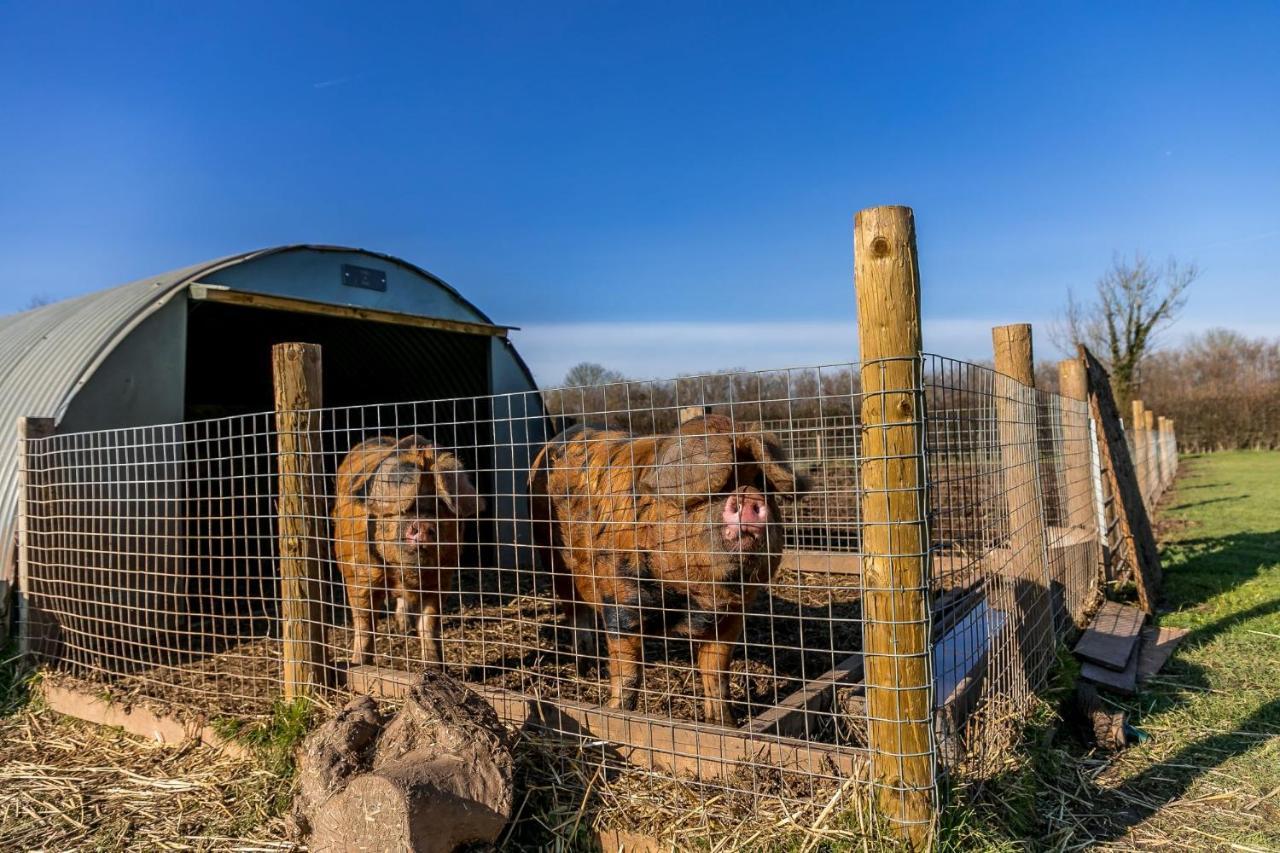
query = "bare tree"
x=590 y=374
x=1134 y=301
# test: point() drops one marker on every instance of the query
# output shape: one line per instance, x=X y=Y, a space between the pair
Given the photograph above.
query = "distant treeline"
x=654 y=405
x=1221 y=388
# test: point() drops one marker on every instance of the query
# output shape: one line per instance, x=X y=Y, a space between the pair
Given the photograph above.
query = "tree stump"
x=437 y=776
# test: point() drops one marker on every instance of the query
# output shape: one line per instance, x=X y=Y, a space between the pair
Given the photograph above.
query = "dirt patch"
x=804 y=627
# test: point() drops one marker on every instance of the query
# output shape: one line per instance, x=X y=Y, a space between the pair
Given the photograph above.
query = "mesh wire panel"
x=672 y=575
x=637 y=566
x=1015 y=546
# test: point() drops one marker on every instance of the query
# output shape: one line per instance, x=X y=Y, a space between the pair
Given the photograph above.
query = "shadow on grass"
x=1164 y=782
x=1207 y=501
x=1202 y=568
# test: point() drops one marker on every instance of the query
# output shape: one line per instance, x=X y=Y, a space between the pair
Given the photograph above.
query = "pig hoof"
x=721 y=716
x=625 y=702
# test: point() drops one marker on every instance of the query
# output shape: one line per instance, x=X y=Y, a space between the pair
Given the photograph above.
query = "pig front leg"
x=361 y=626
x=402 y=614
x=624 y=670
x=714 y=656
x=429 y=630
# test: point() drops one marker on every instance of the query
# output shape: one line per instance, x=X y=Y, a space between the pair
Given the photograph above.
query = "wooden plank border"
x=690 y=750
x=210 y=292
x=137 y=720
x=790 y=717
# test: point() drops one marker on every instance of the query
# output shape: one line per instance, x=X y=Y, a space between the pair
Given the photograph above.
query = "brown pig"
x=397 y=529
x=662 y=535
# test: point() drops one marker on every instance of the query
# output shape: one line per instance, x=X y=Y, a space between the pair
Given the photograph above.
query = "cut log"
x=332 y=754
x=1100 y=725
x=426 y=801
x=437 y=777
x=1110 y=638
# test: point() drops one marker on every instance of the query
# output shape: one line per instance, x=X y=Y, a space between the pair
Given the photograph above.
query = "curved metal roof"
x=47 y=354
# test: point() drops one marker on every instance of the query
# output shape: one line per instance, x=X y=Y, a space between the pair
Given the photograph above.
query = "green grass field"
x=1209 y=777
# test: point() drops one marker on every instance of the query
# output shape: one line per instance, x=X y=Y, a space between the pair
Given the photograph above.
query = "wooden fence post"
x=1016 y=412
x=28 y=430
x=895 y=565
x=1162 y=436
x=1153 y=455
x=302 y=514
x=1075 y=440
x=1138 y=436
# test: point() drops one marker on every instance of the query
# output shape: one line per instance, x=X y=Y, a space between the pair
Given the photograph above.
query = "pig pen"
x=157 y=557
x=190 y=567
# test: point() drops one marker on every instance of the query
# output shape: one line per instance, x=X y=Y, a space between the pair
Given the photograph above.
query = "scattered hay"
x=570 y=794
x=66 y=785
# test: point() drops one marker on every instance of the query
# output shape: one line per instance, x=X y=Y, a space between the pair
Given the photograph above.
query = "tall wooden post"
x=1139 y=442
x=1019 y=460
x=1073 y=385
x=29 y=429
x=1173 y=448
x=1162 y=449
x=895 y=566
x=296 y=370
x=1153 y=455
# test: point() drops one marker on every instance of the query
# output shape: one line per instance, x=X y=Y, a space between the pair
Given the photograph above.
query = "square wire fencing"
x=670 y=575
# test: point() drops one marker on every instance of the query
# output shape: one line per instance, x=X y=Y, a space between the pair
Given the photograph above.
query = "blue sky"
x=664 y=188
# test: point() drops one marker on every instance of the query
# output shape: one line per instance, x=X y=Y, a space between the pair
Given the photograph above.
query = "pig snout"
x=745 y=516
x=419 y=532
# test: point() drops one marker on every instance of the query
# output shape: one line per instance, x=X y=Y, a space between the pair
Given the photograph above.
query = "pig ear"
x=454 y=486
x=690 y=468
x=393 y=487
x=767 y=450
x=357 y=470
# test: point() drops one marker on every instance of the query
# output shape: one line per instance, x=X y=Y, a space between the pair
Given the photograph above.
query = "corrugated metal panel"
x=48 y=354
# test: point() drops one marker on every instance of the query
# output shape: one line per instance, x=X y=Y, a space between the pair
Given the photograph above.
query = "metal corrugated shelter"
x=140 y=353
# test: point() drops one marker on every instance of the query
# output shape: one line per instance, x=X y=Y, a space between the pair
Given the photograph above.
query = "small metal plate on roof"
x=364 y=278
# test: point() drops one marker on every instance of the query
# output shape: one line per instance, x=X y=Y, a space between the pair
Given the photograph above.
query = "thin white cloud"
x=340 y=81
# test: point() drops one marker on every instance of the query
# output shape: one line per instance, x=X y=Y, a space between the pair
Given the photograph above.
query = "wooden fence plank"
x=1110 y=639
x=690 y=750
x=1137 y=540
x=792 y=716
x=1157 y=645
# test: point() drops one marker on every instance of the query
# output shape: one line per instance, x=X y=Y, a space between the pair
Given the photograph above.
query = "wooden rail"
x=692 y=750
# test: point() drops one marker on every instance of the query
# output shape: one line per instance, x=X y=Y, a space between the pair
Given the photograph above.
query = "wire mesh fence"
x=681 y=576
